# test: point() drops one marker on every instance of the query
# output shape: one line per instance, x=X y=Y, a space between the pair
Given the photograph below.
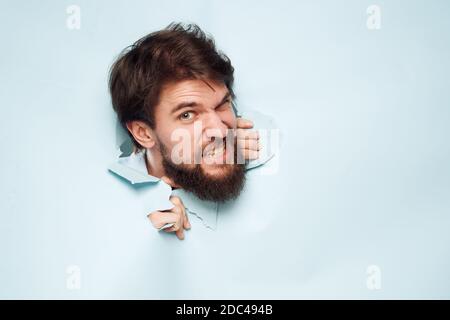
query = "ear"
x=142 y=133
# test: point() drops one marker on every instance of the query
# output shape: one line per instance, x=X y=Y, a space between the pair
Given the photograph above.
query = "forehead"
x=192 y=91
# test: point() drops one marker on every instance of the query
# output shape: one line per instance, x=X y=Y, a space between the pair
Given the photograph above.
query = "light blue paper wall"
x=363 y=179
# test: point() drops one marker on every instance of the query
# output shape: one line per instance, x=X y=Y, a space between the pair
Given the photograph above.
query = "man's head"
x=173 y=84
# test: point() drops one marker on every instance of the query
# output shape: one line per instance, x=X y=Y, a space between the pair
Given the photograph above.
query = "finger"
x=159 y=219
x=175 y=227
x=179 y=210
x=178 y=205
x=181 y=205
x=187 y=223
x=168 y=230
x=244 y=123
x=247 y=134
x=250 y=154
x=176 y=201
x=166 y=226
x=249 y=144
x=180 y=222
x=180 y=234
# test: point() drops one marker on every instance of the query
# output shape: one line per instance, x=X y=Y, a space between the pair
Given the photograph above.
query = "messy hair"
x=178 y=52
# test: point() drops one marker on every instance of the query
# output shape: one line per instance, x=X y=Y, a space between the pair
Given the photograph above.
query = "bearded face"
x=225 y=184
x=212 y=167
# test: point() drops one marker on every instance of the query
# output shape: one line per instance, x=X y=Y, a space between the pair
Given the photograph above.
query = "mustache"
x=214 y=144
x=191 y=152
x=195 y=180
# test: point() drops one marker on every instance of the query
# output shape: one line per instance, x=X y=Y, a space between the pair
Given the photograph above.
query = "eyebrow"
x=195 y=104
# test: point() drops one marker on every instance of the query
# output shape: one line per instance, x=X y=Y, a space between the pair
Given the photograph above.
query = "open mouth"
x=216 y=154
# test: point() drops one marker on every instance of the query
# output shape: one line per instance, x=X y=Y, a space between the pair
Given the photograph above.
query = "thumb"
x=244 y=123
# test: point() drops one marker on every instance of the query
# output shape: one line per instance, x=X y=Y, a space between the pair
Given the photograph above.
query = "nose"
x=214 y=126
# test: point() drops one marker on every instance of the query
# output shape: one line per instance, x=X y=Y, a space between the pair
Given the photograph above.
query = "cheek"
x=181 y=139
x=165 y=137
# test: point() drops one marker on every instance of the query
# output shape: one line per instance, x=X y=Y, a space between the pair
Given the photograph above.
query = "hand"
x=247 y=140
x=177 y=215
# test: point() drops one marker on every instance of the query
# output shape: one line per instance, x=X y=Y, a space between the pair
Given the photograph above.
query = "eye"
x=188 y=115
x=225 y=104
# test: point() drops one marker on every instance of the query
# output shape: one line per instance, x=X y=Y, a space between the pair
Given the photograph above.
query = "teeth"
x=212 y=153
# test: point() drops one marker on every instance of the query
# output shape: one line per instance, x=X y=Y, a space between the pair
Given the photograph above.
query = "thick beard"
x=205 y=187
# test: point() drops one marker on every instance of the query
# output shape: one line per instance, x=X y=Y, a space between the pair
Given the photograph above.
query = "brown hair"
x=178 y=52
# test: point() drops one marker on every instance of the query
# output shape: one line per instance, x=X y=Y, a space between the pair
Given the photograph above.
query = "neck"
x=153 y=160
